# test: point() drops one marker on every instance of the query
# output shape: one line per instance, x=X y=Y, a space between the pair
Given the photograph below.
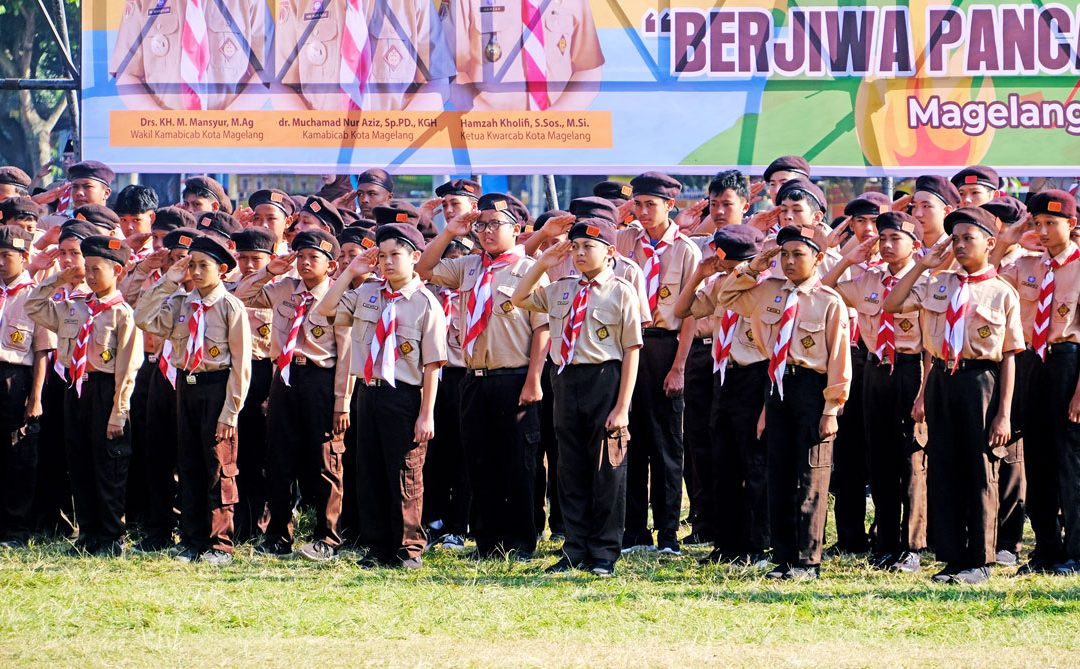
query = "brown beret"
x=864 y=206
x=507 y=204
x=13 y=176
x=738 y=242
x=180 y=238
x=594 y=207
x=320 y=240
x=940 y=187
x=901 y=222
x=204 y=186
x=109 y=248
x=396 y=214
x=976 y=216
x=18 y=207
x=91 y=169
x=218 y=223
x=792 y=233
x=403 y=232
x=796 y=164
x=97 y=215
x=1053 y=202
x=656 y=184
x=977 y=175
x=15 y=238
x=274 y=198
x=171 y=218
x=804 y=185
x=594 y=228
x=215 y=249
x=1008 y=209
x=254 y=239
x=325 y=212
x=462 y=187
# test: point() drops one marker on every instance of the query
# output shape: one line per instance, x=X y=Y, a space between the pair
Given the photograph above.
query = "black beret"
x=613 y=191
x=807 y=187
x=97 y=215
x=361 y=222
x=507 y=204
x=171 y=218
x=15 y=238
x=900 y=221
x=738 y=242
x=594 y=207
x=1008 y=209
x=656 y=184
x=218 y=223
x=91 y=169
x=788 y=164
x=363 y=237
x=462 y=187
x=791 y=233
x=594 y=228
x=863 y=206
x=976 y=216
x=1053 y=202
x=977 y=175
x=402 y=232
x=254 y=239
x=215 y=249
x=180 y=238
x=547 y=216
x=13 y=176
x=109 y=248
x=320 y=240
x=939 y=186
x=204 y=186
x=20 y=207
x=348 y=216
x=275 y=198
x=80 y=230
x=396 y=214
x=325 y=212
x=377 y=177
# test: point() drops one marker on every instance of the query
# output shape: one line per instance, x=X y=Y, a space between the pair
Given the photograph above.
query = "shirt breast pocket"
x=606 y=323
x=319 y=54
x=809 y=337
x=161 y=46
x=500 y=32
x=393 y=60
x=557 y=317
x=1065 y=298
x=228 y=55
x=18 y=335
x=1028 y=292
x=105 y=339
x=988 y=326
x=933 y=323
x=500 y=300
x=363 y=328
x=559 y=30
x=408 y=344
x=318 y=328
x=216 y=344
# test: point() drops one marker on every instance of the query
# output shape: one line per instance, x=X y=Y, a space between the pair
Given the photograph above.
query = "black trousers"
x=251 y=513
x=592 y=461
x=349 y=522
x=655 y=459
x=160 y=459
x=962 y=472
x=501 y=439
x=851 y=464
x=98 y=466
x=1012 y=476
x=54 y=506
x=302 y=447
x=18 y=459
x=446 y=479
x=138 y=489
x=697 y=440
x=897 y=462
x=736 y=473
x=390 y=471
x=547 y=481
x=800 y=464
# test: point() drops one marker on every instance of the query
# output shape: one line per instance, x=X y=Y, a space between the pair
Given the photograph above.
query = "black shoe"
x=152 y=545
x=603 y=568
x=805 y=573
x=972 y=576
x=370 y=561
x=1035 y=565
x=109 y=549
x=13 y=544
x=1067 y=568
x=907 y=563
x=564 y=564
x=777 y=572
x=557 y=536
x=695 y=538
x=715 y=556
x=187 y=554
x=751 y=560
x=670 y=547
x=274 y=548
x=882 y=560
x=946 y=574
x=1006 y=558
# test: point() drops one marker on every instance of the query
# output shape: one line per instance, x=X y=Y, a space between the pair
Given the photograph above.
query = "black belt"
x=707 y=341
x=375 y=383
x=202 y=378
x=1062 y=348
x=731 y=364
x=659 y=332
x=901 y=359
x=505 y=371
x=799 y=370
x=963 y=365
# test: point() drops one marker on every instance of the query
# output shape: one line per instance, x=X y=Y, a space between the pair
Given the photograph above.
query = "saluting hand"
x=688 y=218
x=155 y=260
x=1011 y=234
x=761 y=261
x=346 y=201
x=365 y=263
x=756 y=190
x=554 y=254
x=765 y=220
x=937 y=255
x=279 y=265
x=178 y=273
x=708 y=267
x=901 y=204
x=838 y=232
x=72 y=275
x=431 y=207
x=43 y=261
x=625 y=211
x=860 y=252
x=461 y=225
x=558 y=225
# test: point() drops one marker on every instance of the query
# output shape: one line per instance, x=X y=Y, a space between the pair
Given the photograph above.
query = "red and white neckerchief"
x=60 y=296
x=355 y=55
x=82 y=341
x=63 y=203
x=194 y=55
x=164 y=363
x=532 y=55
x=478 y=308
x=384 y=341
x=574 y=321
x=22 y=281
x=449 y=299
x=778 y=359
x=885 y=345
x=722 y=343
x=651 y=266
x=304 y=300
x=1041 y=330
x=956 y=315
x=193 y=357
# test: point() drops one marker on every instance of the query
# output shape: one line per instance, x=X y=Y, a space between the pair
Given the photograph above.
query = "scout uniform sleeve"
x=736 y=291
x=915 y=299
x=433 y=335
x=131 y=285
x=240 y=372
x=631 y=320
x=155 y=312
x=838 y=341
x=346 y=308
x=129 y=357
x=586 y=49
x=39 y=305
x=256 y=290
x=704 y=304
x=342 y=377
x=537 y=300
x=449 y=273
x=1014 y=328
x=43 y=339
x=537 y=319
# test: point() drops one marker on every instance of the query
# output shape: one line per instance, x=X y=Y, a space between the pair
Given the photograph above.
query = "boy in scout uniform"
x=782 y=170
x=803 y=326
x=933 y=199
x=211 y=345
x=494 y=43
x=24 y=362
x=453 y=198
x=597 y=317
x=977 y=184
x=13 y=182
x=273 y=210
x=99 y=344
x=971 y=318
x=892 y=380
x=205 y=194
x=146 y=59
x=504 y=349
x=399 y=344
x=90 y=183
x=308 y=411
x=318 y=214
x=136 y=206
x=655 y=460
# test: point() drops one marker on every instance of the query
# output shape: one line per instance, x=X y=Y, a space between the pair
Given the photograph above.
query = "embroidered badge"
x=941 y=289
x=214 y=351
x=406 y=348
x=562 y=44
x=984 y=331
x=318 y=331
x=393 y=58
x=750 y=335
x=1063 y=310
x=566 y=296
x=665 y=292
x=17 y=337
x=264 y=330
x=807 y=342
x=906 y=325
x=873 y=296
x=602 y=332
x=777 y=299
x=373 y=299
x=106 y=355
x=1031 y=279
x=507 y=307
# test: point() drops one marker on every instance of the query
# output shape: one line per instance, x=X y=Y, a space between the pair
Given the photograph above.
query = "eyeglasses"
x=483 y=226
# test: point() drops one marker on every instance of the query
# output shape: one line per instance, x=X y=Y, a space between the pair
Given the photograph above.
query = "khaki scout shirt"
x=744 y=349
x=420 y=328
x=505 y=342
x=114 y=346
x=165 y=310
x=622 y=267
x=410 y=50
x=677 y=265
x=259 y=322
x=488 y=39
x=866 y=294
x=318 y=343
x=704 y=325
x=20 y=337
x=236 y=31
x=819 y=337
x=454 y=356
x=132 y=285
x=992 y=321
x=612 y=322
x=1026 y=274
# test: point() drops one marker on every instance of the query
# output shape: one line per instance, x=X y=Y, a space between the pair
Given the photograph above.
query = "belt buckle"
x=952 y=365
x=479 y=372
x=191 y=379
x=300 y=360
x=153 y=357
x=706 y=340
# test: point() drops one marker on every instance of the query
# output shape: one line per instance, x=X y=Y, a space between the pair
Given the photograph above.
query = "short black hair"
x=730 y=180
x=135 y=199
x=799 y=195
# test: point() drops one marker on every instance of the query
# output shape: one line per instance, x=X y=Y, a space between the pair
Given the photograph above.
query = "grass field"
x=152 y=611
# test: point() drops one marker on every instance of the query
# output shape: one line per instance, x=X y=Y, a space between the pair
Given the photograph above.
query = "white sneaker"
x=640 y=548
x=452 y=542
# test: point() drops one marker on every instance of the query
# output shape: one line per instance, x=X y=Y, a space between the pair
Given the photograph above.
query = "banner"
x=579 y=86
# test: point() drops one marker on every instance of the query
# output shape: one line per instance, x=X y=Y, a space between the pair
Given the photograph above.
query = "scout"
x=977 y=185
x=782 y=170
x=892 y=380
x=596 y=359
x=399 y=344
x=167 y=219
x=453 y=198
x=804 y=328
x=205 y=194
x=274 y=211
x=135 y=206
x=98 y=343
x=308 y=410
x=933 y=199
x=13 y=182
x=24 y=362
x=655 y=460
x=318 y=214
x=735 y=501
x=374 y=188
x=504 y=350
x=21 y=211
x=211 y=346
x=972 y=329
x=90 y=183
